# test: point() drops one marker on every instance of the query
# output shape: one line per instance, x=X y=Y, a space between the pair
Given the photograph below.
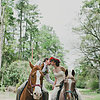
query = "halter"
x=32 y=86
x=73 y=94
x=35 y=84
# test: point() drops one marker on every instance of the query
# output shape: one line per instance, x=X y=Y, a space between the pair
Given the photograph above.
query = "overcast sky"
x=62 y=15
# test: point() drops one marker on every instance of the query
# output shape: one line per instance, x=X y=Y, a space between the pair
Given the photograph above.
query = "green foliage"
x=81 y=83
x=90 y=45
x=2 y=88
x=17 y=72
x=93 y=84
x=21 y=35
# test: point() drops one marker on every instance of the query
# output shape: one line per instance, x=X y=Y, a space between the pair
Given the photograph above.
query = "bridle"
x=73 y=93
x=33 y=86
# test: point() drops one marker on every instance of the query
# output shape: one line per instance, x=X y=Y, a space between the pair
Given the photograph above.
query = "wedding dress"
x=60 y=76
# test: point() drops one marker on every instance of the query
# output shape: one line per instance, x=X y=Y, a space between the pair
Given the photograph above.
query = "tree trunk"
x=1 y=31
x=0 y=37
x=20 y=49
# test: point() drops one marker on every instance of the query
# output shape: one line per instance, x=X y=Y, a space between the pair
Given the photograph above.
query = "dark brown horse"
x=68 y=91
x=33 y=89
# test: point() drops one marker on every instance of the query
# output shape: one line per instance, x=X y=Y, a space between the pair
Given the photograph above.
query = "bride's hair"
x=57 y=62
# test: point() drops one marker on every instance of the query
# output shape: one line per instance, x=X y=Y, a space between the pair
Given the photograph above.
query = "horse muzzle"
x=37 y=95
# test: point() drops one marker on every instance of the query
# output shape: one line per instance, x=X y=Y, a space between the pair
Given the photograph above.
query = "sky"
x=62 y=15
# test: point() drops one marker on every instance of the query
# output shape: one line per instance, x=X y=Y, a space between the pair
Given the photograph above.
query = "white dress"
x=60 y=76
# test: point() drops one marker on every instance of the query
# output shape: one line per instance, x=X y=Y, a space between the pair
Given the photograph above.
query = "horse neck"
x=25 y=95
x=28 y=93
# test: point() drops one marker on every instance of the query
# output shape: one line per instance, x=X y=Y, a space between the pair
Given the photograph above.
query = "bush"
x=80 y=84
x=93 y=84
x=16 y=73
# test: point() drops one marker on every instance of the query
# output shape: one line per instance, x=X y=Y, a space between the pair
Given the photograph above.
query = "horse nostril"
x=38 y=94
x=41 y=95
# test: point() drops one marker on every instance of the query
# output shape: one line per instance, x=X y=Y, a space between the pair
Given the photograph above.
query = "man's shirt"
x=45 y=70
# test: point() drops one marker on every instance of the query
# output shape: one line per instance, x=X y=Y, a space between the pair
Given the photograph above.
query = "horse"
x=68 y=91
x=33 y=88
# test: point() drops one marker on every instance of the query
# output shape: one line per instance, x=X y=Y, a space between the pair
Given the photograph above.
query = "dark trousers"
x=45 y=95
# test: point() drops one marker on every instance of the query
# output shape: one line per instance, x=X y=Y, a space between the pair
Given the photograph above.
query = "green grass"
x=89 y=94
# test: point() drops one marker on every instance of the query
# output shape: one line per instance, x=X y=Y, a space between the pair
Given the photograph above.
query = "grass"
x=89 y=94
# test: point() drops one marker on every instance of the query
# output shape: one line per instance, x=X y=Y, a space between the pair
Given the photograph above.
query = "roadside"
x=86 y=95
x=7 y=96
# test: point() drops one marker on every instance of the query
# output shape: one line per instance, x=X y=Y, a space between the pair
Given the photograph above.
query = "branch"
x=93 y=28
x=90 y=31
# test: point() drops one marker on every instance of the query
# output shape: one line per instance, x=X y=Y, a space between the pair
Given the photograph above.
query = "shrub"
x=93 y=84
x=16 y=73
x=80 y=84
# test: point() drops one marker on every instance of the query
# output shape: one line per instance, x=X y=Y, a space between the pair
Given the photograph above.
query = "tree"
x=1 y=30
x=47 y=44
x=28 y=18
x=21 y=9
x=0 y=36
x=9 y=28
x=90 y=27
x=90 y=33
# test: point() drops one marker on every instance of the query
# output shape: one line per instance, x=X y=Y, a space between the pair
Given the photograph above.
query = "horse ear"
x=73 y=72
x=66 y=73
x=31 y=65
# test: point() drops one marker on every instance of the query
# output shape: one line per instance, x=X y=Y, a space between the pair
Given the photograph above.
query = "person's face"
x=52 y=63
x=48 y=62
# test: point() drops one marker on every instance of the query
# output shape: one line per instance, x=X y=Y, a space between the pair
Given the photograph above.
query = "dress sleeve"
x=48 y=79
x=44 y=68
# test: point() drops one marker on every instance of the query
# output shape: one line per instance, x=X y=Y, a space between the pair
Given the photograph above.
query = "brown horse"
x=33 y=89
x=68 y=91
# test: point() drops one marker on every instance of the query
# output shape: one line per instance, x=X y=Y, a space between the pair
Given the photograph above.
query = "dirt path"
x=12 y=96
x=87 y=97
x=7 y=96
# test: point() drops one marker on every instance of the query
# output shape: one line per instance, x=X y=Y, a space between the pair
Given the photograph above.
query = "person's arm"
x=63 y=69
x=48 y=79
x=55 y=81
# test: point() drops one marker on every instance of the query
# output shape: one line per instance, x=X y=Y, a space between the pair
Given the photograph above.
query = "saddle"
x=22 y=90
x=60 y=88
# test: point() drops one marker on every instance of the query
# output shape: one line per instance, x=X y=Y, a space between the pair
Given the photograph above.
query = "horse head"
x=69 y=86
x=35 y=81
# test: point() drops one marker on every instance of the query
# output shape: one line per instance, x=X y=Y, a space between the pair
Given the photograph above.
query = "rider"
x=45 y=70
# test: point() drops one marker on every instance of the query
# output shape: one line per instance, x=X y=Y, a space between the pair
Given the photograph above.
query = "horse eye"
x=74 y=83
x=32 y=76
